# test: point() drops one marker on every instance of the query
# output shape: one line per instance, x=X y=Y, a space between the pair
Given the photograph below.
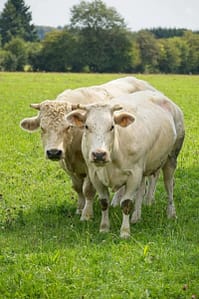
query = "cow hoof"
x=78 y=212
x=104 y=229
x=149 y=201
x=125 y=234
x=135 y=218
x=86 y=217
x=171 y=213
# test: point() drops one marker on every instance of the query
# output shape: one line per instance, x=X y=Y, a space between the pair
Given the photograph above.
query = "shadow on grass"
x=56 y=226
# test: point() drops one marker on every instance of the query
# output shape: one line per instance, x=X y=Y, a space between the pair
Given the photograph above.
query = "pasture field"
x=46 y=252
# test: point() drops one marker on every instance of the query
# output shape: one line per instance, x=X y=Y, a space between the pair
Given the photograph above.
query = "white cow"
x=121 y=148
x=62 y=142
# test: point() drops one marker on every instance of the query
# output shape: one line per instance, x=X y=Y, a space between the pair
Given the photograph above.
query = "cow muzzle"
x=99 y=157
x=54 y=154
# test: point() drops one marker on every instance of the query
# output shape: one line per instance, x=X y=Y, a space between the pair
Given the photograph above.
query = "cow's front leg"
x=103 y=193
x=132 y=185
x=77 y=186
x=89 y=193
x=126 y=206
x=105 y=223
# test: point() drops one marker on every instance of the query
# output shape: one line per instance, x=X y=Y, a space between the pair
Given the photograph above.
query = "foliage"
x=46 y=252
x=17 y=48
x=96 y=40
x=8 y=61
x=95 y=15
x=179 y=55
x=43 y=30
x=193 y=58
x=148 y=50
x=160 y=32
x=15 y=21
x=103 y=42
x=57 y=51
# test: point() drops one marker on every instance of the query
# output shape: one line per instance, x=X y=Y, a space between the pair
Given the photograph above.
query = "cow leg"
x=150 y=192
x=117 y=197
x=133 y=184
x=126 y=206
x=89 y=193
x=136 y=216
x=168 y=175
x=105 y=223
x=77 y=186
x=80 y=204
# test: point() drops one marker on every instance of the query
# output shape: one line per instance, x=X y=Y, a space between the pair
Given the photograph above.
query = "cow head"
x=100 y=125
x=55 y=131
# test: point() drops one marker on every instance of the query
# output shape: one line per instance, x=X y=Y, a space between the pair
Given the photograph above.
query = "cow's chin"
x=54 y=159
x=100 y=163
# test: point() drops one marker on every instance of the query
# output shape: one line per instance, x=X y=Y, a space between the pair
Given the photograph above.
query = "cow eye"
x=86 y=127
x=112 y=127
x=43 y=130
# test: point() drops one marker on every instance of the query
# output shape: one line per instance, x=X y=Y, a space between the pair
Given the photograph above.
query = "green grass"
x=46 y=252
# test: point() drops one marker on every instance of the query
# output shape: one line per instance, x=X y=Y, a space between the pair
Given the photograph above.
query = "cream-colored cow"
x=62 y=142
x=124 y=141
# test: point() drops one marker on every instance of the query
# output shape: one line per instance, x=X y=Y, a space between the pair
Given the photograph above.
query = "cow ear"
x=30 y=124
x=124 y=119
x=76 y=119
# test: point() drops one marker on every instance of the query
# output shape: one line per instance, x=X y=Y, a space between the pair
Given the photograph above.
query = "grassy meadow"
x=46 y=252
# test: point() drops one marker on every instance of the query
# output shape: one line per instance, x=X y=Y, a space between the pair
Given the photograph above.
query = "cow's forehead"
x=100 y=116
x=53 y=114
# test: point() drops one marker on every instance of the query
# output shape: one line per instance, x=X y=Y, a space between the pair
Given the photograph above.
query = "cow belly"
x=155 y=162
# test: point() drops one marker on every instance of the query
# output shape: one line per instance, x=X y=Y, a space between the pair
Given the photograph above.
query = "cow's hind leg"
x=136 y=216
x=149 y=197
x=168 y=175
x=117 y=197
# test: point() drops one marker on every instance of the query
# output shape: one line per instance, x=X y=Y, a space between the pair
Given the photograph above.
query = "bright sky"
x=138 y=14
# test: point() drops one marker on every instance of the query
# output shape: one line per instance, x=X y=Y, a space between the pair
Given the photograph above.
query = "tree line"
x=96 y=40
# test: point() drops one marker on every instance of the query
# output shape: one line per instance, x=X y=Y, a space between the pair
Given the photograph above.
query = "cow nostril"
x=99 y=156
x=54 y=154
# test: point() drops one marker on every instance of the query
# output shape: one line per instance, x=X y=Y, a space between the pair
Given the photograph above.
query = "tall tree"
x=95 y=15
x=15 y=21
x=56 y=53
x=103 y=42
x=149 y=50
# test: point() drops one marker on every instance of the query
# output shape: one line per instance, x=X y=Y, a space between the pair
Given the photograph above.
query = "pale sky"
x=138 y=14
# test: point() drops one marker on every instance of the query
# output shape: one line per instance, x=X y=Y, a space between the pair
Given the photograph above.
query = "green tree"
x=18 y=50
x=149 y=51
x=15 y=21
x=104 y=45
x=56 y=52
x=8 y=61
x=192 y=39
x=136 y=61
x=95 y=15
x=170 y=58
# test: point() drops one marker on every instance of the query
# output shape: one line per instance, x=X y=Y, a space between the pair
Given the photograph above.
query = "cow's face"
x=55 y=131
x=100 y=126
